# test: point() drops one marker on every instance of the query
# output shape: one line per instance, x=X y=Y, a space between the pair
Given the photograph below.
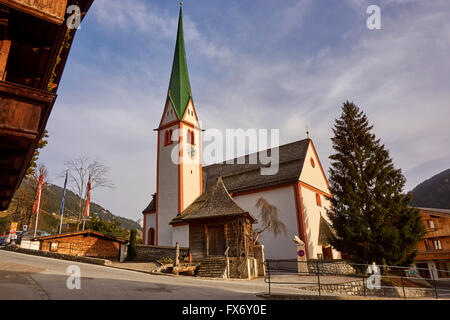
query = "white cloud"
x=398 y=75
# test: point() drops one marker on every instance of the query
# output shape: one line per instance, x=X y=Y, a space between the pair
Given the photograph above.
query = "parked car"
x=3 y=240
x=28 y=235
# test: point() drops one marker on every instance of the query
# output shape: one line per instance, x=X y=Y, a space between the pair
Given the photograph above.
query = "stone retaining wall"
x=356 y=288
x=54 y=255
x=146 y=253
x=335 y=267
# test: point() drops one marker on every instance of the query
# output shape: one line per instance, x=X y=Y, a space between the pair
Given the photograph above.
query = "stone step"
x=213 y=264
x=212 y=270
x=211 y=273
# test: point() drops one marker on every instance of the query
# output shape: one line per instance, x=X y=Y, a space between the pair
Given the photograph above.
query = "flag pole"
x=62 y=203
x=38 y=201
x=87 y=203
x=36 y=223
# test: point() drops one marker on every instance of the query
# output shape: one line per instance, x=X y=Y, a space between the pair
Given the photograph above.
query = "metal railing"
x=338 y=277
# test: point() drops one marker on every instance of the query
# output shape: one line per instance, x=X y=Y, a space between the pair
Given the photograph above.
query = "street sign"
x=301 y=253
x=25 y=227
x=13 y=228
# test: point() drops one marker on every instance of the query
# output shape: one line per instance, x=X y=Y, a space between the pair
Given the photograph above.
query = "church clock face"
x=192 y=151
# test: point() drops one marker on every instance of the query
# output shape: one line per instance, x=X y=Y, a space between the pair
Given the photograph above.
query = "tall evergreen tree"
x=370 y=212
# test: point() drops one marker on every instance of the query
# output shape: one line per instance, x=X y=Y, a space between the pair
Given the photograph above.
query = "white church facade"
x=299 y=189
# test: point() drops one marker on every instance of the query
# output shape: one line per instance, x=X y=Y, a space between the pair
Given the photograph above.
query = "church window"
x=166 y=135
x=318 y=200
x=170 y=137
x=313 y=164
x=190 y=137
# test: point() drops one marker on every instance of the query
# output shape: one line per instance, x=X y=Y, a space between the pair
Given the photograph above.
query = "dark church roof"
x=215 y=202
x=326 y=232
x=151 y=206
x=245 y=177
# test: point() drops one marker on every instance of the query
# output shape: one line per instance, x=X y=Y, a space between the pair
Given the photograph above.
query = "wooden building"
x=84 y=243
x=217 y=223
x=221 y=235
x=34 y=45
x=434 y=250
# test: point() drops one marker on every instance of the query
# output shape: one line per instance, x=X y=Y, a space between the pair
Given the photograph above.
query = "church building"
x=197 y=206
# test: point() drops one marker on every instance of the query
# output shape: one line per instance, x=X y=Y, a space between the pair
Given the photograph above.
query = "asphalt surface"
x=31 y=277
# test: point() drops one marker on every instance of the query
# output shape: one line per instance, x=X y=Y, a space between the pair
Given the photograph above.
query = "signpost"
x=12 y=231
x=302 y=265
x=13 y=228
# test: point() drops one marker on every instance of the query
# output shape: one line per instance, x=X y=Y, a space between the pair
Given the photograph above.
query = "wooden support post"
x=177 y=254
x=5 y=45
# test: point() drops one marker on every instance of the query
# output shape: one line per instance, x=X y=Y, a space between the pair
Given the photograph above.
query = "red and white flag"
x=38 y=196
x=88 y=200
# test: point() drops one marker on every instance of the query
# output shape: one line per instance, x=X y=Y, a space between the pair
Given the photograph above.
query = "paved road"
x=31 y=277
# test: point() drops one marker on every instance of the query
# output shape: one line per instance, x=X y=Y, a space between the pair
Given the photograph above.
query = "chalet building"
x=434 y=250
x=34 y=45
x=215 y=223
x=196 y=206
x=85 y=243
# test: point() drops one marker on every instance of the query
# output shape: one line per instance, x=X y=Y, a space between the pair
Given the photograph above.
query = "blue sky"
x=253 y=64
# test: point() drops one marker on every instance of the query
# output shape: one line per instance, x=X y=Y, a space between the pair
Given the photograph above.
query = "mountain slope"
x=434 y=192
x=52 y=201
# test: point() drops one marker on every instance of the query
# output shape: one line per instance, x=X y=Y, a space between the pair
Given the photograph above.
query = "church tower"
x=179 y=168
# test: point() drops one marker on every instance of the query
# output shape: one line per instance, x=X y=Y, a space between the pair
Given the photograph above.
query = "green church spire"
x=179 y=87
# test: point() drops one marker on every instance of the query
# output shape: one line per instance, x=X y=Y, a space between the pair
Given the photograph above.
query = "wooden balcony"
x=429 y=255
x=24 y=113
x=34 y=46
x=50 y=10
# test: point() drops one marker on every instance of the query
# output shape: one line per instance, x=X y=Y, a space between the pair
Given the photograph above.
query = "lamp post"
x=365 y=245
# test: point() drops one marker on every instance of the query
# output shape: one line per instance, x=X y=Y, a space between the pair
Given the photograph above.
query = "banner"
x=62 y=203
x=88 y=200
x=38 y=196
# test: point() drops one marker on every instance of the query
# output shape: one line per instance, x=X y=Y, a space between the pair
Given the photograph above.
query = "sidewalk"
x=147 y=267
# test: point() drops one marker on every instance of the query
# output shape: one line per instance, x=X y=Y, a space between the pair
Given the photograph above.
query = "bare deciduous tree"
x=79 y=170
x=269 y=220
x=26 y=197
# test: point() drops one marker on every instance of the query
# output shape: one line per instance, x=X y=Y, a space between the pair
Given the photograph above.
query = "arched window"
x=170 y=137
x=318 y=201
x=151 y=236
x=190 y=136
